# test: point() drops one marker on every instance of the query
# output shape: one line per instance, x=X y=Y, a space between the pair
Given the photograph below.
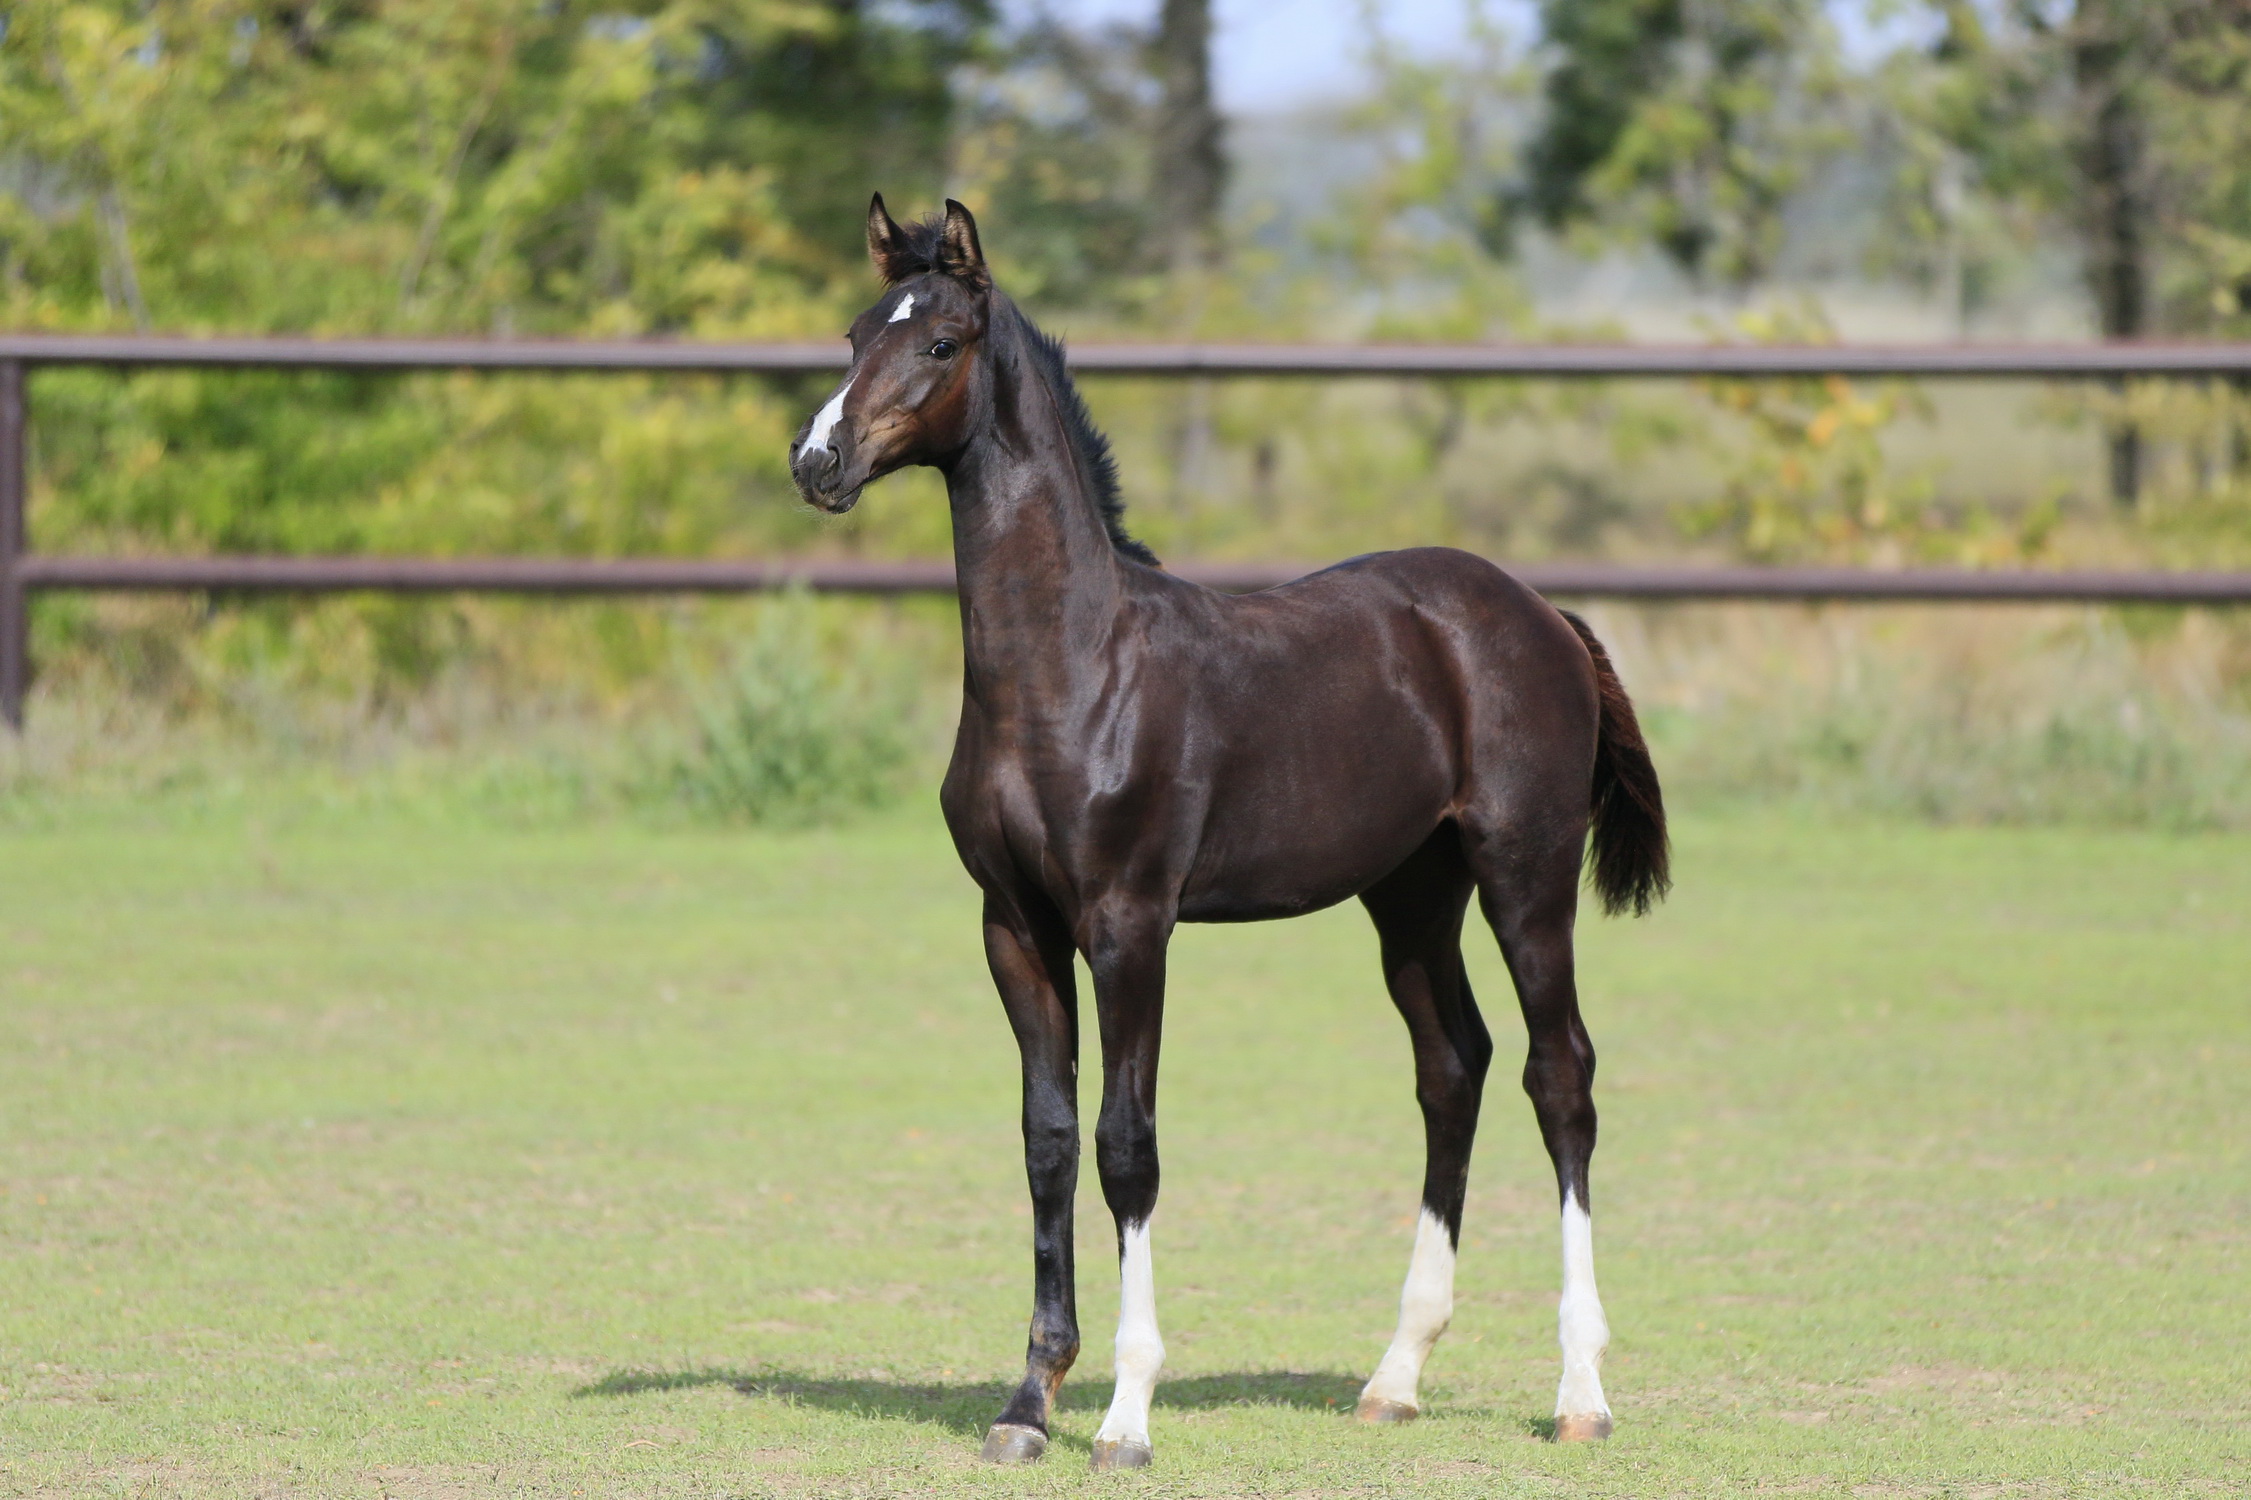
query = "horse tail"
x=1631 y=856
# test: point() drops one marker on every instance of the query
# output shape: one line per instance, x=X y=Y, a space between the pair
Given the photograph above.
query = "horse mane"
x=1089 y=445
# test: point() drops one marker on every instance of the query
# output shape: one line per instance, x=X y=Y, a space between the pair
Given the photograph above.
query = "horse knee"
x=1051 y=1154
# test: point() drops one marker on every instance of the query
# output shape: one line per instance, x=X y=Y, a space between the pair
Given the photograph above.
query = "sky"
x=1272 y=54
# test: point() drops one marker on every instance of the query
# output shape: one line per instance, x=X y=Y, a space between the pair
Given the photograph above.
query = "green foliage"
x=2024 y=119
x=1424 y=233
x=797 y=729
x=500 y=167
x=486 y=165
x=1812 y=479
x=1609 y=55
x=1686 y=127
x=1805 y=472
x=1054 y=150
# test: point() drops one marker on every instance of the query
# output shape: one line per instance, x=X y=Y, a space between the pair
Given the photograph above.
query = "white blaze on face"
x=825 y=420
x=899 y=313
x=1426 y=1306
x=1141 y=1353
x=1580 y=1325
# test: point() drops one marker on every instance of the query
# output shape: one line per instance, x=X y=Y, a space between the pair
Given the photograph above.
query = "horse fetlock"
x=1054 y=1349
x=1140 y=1358
x=1582 y=1330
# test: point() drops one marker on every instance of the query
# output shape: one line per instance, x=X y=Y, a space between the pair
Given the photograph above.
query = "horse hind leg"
x=1418 y=916
x=1528 y=887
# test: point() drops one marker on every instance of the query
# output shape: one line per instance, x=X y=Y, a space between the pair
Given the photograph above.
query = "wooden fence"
x=23 y=572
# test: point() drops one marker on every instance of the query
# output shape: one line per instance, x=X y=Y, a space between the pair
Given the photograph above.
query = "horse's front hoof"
x=1384 y=1410
x=1120 y=1453
x=1587 y=1429
x=1008 y=1443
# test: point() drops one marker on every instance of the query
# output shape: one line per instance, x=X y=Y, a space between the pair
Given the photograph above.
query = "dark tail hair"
x=1631 y=857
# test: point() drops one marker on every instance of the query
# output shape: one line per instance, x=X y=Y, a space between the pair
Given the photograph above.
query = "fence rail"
x=23 y=572
x=647 y=575
x=2112 y=361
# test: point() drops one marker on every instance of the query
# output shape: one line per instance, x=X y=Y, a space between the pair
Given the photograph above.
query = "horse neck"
x=1039 y=578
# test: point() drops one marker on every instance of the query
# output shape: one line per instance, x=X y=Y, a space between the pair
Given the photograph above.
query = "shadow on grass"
x=969 y=1406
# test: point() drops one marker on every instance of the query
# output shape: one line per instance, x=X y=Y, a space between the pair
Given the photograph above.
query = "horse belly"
x=1286 y=850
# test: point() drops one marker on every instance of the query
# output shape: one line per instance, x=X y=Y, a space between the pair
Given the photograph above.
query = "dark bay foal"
x=1135 y=751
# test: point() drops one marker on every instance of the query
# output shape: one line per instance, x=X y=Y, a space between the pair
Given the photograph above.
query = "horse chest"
x=1064 y=803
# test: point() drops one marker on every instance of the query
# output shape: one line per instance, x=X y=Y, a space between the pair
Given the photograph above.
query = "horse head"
x=917 y=383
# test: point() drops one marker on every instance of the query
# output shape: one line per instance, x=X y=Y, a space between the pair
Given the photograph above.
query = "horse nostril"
x=816 y=466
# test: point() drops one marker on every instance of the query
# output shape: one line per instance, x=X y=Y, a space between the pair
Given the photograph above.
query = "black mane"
x=1096 y=461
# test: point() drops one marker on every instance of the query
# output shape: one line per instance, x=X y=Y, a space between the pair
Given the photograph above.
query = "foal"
x=1136 y=751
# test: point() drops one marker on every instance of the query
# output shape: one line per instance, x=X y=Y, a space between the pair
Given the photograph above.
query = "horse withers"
x=1136 y=751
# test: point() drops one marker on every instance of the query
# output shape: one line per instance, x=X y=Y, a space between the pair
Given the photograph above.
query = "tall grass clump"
x=1951 y=715
x=798 y=729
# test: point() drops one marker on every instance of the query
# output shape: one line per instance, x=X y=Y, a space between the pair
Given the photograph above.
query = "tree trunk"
x=1191 y=166
x=2114 y=165
x=1191 y=174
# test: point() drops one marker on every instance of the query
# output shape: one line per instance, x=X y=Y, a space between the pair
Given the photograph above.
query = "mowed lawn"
x=354 y=1155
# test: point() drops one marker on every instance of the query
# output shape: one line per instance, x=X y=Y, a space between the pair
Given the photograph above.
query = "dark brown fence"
x=22 y=571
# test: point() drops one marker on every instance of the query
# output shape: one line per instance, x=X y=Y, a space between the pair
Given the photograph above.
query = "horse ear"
x=887 y=243
x=959 y=254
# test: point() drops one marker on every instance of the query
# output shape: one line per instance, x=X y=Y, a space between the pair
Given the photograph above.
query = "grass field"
x=361 y=1155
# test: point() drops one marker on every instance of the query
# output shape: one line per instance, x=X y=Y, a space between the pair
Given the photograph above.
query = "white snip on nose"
x=824 y=421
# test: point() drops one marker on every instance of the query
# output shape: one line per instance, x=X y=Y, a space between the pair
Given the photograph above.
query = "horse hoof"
x=1587 y=1429
x=1008 y=1443
x=1380 y=1409
x=1120 y=1453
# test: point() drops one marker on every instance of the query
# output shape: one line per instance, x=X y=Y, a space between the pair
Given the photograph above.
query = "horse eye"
x=944 y=349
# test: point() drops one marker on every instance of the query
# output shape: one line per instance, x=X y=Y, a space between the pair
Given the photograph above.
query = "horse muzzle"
x=823 y=480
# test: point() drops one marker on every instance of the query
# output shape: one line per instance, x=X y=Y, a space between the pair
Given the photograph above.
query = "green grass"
x=360 y=1155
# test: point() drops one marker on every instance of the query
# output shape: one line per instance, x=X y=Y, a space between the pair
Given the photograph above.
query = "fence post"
x=15 y=623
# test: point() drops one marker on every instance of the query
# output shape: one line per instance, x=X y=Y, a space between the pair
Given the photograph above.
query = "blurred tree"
x=2119 y=122
x=477 y=165
x=1684 y=124
x=1191 y=165
x=1055 y=149
x=609 y=167
x=1446 y=136
x=472 y=166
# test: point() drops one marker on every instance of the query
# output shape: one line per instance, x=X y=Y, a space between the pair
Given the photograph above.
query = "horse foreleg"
x=1128 y=964
x=1031 y=964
